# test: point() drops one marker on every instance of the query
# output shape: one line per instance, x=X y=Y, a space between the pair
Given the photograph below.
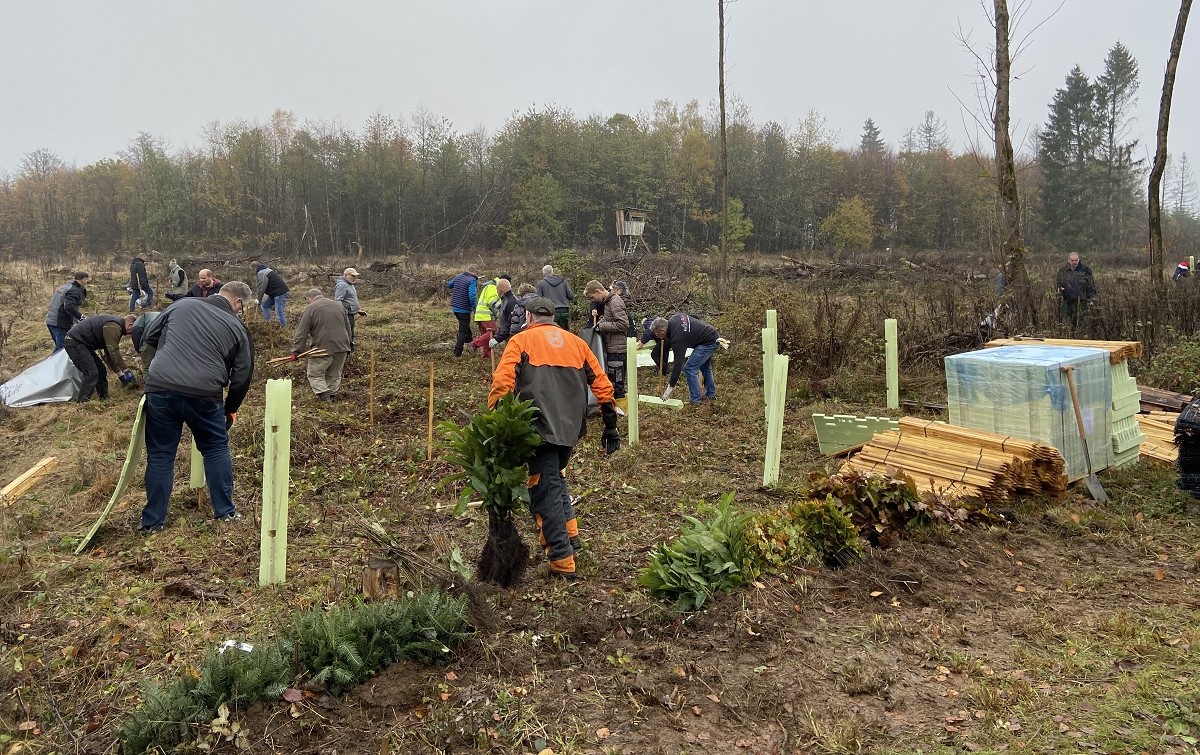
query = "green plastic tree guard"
x=631 y=389
x=133 y=455
x=779 y=370
x=196 y=476
x=892 y=358
x=277 y=462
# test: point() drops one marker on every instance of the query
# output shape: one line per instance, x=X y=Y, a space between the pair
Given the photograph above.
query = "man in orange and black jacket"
x=554 y=368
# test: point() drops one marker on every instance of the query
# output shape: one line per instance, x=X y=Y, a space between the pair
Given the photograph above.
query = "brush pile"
x=960 y=463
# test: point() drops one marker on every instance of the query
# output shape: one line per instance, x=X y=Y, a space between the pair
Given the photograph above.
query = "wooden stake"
x=371 y=389
x=429 y=429
x=22 y=485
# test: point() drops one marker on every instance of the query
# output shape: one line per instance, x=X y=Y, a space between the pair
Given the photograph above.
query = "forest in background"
x=551 y=179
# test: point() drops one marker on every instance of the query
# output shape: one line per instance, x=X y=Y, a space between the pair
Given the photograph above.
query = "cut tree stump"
x=23 y=484
x=381 y=580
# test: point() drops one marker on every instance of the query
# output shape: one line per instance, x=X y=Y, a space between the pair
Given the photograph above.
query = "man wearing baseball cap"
x=345 y=294
x=554 y=368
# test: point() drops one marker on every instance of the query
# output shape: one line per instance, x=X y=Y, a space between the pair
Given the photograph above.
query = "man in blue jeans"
x=272 y=293
x=678 y=334
x=192 y=351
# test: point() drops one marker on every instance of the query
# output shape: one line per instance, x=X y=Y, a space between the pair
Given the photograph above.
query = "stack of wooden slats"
x=956 y=462
x=1159 y=429
x=1118 y=351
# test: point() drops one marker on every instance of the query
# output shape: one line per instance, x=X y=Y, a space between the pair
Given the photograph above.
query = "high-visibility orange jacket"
x=554 y=368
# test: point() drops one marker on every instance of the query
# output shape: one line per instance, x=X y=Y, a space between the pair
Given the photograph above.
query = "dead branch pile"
x=956 y=462
x=1159 y=429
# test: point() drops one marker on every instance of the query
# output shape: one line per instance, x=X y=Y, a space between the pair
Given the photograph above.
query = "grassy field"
x=1072 y=628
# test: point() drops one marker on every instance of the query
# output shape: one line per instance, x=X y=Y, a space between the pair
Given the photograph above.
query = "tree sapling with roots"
x=493 y=449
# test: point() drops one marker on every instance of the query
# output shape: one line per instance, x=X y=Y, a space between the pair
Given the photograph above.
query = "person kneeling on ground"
x=324 y=325
x=554 y=369
x=98 y=333
x=678 y=334
x=192 y=350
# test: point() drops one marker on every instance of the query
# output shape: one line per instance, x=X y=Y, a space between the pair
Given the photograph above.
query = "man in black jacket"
x=64 y=310
x=140 y=293
x=98 y=333
x=192 y=351
x=683 y=332
x=1077 y=287
x=272 y=293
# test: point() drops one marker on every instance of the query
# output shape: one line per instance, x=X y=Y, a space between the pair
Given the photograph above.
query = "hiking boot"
x=325 y=396
x=231 y=518
x=151 y=530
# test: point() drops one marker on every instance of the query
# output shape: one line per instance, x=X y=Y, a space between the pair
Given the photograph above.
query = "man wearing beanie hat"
x=554 y=368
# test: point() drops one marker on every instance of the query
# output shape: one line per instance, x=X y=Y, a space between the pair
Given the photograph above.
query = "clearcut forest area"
x=1049 y=624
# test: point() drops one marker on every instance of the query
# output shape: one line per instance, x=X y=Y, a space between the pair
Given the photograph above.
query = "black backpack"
x=516 y=321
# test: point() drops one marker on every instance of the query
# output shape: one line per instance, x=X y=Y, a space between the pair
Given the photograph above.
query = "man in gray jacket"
x=345 y=294
x=64 y=312
x=192 y=351
x=323 y=326
x=557 y=290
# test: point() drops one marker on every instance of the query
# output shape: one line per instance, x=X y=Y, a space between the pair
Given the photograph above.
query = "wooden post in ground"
x=277 y=451
x=371 y=390
x=631 y=390
x=1192 y=266
x=892 y=367
x=429 y=428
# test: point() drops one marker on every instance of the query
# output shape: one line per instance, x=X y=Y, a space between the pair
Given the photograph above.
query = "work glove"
x=126 y=377
x=294 y=357
x=724 y=343
x=362 y=313
x=610 y=439
x=667 y=393
x=230 y=418
x=492 y=343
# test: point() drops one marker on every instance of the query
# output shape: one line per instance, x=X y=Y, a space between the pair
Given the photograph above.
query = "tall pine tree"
x=1116 y=96
x=1067 y=150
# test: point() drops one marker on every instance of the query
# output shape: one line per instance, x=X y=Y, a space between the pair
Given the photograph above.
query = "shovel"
x=1093 y=484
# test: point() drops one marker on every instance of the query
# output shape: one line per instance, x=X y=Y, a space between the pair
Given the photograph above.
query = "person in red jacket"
x=554 y=368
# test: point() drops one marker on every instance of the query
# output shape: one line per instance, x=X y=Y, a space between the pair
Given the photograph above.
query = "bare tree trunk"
x=1012 y=248
x=723 y=273
x=1160 y=154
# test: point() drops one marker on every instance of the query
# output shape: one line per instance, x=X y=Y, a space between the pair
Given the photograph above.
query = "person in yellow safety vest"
x=487 y=306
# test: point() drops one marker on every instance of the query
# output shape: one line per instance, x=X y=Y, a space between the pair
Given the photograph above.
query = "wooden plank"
x=27 y=479
x=1169 y=400
x=133 y=454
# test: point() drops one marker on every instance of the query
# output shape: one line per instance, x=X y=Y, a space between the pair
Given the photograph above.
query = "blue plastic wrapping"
x=1022 y=391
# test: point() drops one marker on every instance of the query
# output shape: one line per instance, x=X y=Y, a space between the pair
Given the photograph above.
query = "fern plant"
x=492 y=451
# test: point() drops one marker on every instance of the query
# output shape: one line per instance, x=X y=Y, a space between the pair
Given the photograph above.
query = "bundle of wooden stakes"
x=958 y=462
x=301 y=355
x=1159 y=429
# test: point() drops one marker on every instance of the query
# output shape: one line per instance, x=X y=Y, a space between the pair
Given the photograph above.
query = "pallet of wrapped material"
x=1118 y=351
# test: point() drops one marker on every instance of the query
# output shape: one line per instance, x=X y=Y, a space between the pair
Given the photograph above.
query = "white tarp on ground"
x=53 y=380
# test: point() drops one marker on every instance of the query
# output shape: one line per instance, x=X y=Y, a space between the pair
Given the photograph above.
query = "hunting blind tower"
x=631 y=222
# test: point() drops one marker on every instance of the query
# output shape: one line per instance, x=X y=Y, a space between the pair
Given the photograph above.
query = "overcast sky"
x=81 y=78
